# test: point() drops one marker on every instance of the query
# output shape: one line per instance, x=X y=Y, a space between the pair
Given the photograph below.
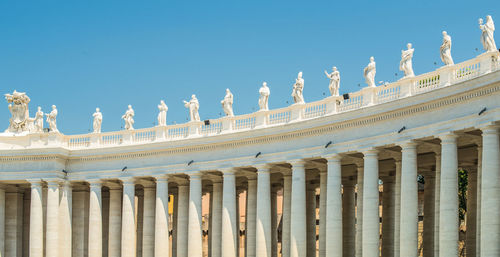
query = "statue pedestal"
x=261 y=119
x=368 y=95
x=194 y=128
x=332 y=103
x=297 y=112
x=227 y=123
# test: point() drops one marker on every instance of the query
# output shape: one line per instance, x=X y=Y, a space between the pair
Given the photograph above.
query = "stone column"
x=195 y=246
x=429 y=211
x=128 y=219
x=334 y=207
x=437 y=206
x=359 y=211
x=175 y=222
x=2 y=221
x=263 y=217
x=478 y=200
x=448 y=227
x=13 y=223
x=115 y=221
x=311 y=218
x=388 y=217
x=65 y=224
x=217 y=219
x=287 y=204
x=409 y=201
x=52 y=232
x=229 y=218
x=348 y=220
x=250 y=218
x=397 y=207
x=298 y=211
x=95 y=219
x=371 y=220
x=470 y=234
x=274 y=221
x=78 y=219
x=322 y=212
x=182 y=221
x=161 y=227
x=148 y=226
x=490 y=192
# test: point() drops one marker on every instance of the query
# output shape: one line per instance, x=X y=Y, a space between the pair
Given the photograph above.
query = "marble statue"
x=18 y=107
x=38 y=123
x=128 y=117
x=52 y=119
x=298 y=87
x=227 y=103
x=264 y=93
x=487 y=38
x=162 y=114
x=445 y=49
x=193 y=105
x=97 y=120
x=369 y=72
x=406 y=61
x=334 y=81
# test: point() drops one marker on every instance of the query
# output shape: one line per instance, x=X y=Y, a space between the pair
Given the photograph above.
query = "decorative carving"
x=298 y=87
x=445 y=49
x=38 y=123
x=369 y=72
x=162 y=114
x=128 y=117
x=18 y=107
x=227 y=103
x=52 y=119
x=334 y=81
x=264 y=93
x=193 y=105
x=487 y=38
x=406 y=61
x=97 y=120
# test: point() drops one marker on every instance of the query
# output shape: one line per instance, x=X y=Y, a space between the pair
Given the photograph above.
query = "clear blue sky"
x=80 y=55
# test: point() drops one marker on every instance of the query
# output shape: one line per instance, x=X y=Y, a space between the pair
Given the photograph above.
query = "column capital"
x=95 y=183
x=489 y=129
x=112 y=185
x=448 y=138
x=51 y=183
x=161 y=179
x=333 y=157
x=409 y=144
x=371 y=152
x=129 y=181
x=146 y=183
x=262 y=167
x=298 y=163
x=195 y=176
x=227 y=171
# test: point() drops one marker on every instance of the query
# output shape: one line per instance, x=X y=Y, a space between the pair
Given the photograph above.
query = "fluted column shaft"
x=263 y=215
x=311 y=219
x=183 y=221
x=251 y=217
x=359 y=212
x=95 y=220
x=217 y=219
x=287 y=204
x=333 y=207
x=470 y=233
x=274 y=222
x=195 y=244
x=115 y=222
x=322 y=213
x=348 y=220
x=65 y=216
x=128 y=220
x=298 y=230
x=52 y=230
x=148 y=224
x=229 y=218
x=409 y=201
x=490 y=192
x=161 y=231
x=388 y=217
x=448 y=227
x=371 y=224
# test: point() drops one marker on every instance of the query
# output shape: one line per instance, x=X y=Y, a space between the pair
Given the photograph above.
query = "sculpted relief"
x=18 y=107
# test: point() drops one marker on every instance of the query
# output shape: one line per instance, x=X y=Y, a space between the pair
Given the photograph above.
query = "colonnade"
x=71 y=218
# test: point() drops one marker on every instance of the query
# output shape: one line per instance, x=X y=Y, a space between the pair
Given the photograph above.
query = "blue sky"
x=108 y=54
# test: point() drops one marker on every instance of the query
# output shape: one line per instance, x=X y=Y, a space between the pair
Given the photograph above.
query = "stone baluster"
x=448 y=220
x=263 y=213
x=195 y=245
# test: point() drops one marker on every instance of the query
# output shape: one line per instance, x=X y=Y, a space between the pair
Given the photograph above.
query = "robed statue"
x=18 y=107
x=97 y=120
x=162 y=113
x=227 y=103
x=52 y=119
x=128 y=117
x=298 y=88
x=405 y=64
x=264 y=93
x=193 y=105
x=334 y=81
x=38 y=122
x=487 y=30
x=445 y=49
x=369 y=73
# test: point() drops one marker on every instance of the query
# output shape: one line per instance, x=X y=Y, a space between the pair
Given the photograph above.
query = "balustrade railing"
x=442 y=77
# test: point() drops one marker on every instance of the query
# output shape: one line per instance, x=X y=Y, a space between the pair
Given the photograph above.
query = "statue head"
x=334 y=68
x=39 y=108
x=53 y=107
x=227 y=90
x=480 y=21
x=372 y=59
x=488 y=18
x=409 y=46
x=193 y=96
x=264 y=84
x=129 y=106
x=97 y=109
x=300 y=74
x=444 y=33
